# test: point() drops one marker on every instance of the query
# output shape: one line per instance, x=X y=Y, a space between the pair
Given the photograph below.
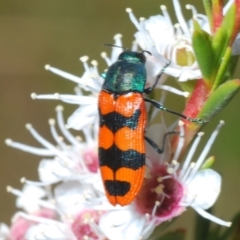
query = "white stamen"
x=166 y=15
x=26 y=148
x=117 y=36
x=45 y=143
x=33 y=95
x=192 y=8
x=147 y=216
x=54 y=96
x=95 y=229
x=40 y=202
x=150 y=225
x=167 y=49
x=116 y=50
x=55 y=135
x=175 y=166
x=65 y=75
x=37 y=184
x=181 y=20
x=106 y=58
x=190 y=155
x=205 y=151
x=8 y=142
x=179 y=32
x=166 y=177
x=180 y=141
x=174 y=90
x=134 y=46
x=94 y=63
x=78 y=91
x=35 y=218
x=170 y=170
x=84 y=60
x=211 y=217
x=9 y=189
x=47 y=66
x=188 y=171
x=156 y=205
x=133 y=18
x=76 y=99
x=95 y=68
x=61 y=124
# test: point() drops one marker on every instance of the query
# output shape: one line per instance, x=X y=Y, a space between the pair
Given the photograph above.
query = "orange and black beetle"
x=122 y=124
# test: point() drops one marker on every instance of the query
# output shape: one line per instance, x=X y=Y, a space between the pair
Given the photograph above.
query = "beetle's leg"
x=155 y=146
x=161 y=107
x=150 y=89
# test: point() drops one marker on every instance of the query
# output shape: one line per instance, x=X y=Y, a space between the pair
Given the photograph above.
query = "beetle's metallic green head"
x=128 y=74
x=133 y=57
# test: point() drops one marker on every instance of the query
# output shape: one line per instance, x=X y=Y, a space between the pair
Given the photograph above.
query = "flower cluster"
x=69 y=202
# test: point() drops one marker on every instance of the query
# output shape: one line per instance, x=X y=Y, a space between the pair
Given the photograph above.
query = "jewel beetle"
x=123 y=116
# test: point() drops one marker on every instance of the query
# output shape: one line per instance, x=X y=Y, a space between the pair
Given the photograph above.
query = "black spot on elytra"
x=117 y=188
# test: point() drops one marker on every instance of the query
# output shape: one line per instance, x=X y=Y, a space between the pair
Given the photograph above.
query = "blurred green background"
x=58 y=32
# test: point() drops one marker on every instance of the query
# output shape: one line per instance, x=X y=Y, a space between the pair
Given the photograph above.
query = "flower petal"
x=204 y=189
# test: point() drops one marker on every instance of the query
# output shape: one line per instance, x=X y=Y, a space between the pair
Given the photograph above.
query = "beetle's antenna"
x=145 y=51
x=112 y=45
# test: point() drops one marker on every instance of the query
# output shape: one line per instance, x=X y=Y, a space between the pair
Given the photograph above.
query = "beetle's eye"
x=141 y=57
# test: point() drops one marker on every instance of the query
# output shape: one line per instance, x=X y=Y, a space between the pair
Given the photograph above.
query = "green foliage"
x=222 y=68
x=201 y=41
x=208 y=163
x=219 y=98
x=213 y=52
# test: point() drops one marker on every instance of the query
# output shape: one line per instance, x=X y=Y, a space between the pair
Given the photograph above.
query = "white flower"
x=77 y=160
x=44 y=231
x=69 y=201
x=166 y=192
x=28 y=198
x=168 y=189
x=125 y=223
x=173 y=42
x=78 y=195
x=167 y=41
x=83 y=211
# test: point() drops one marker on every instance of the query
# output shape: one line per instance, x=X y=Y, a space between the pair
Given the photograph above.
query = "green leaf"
x=208 y=9
x=202 y=46
x=219 y=98
x=208 y=163
x=228 y=23
x=222 y=37
x=231 y=67
x=222 y=68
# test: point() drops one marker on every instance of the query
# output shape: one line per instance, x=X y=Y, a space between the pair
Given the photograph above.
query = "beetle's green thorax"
x=128 y=74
